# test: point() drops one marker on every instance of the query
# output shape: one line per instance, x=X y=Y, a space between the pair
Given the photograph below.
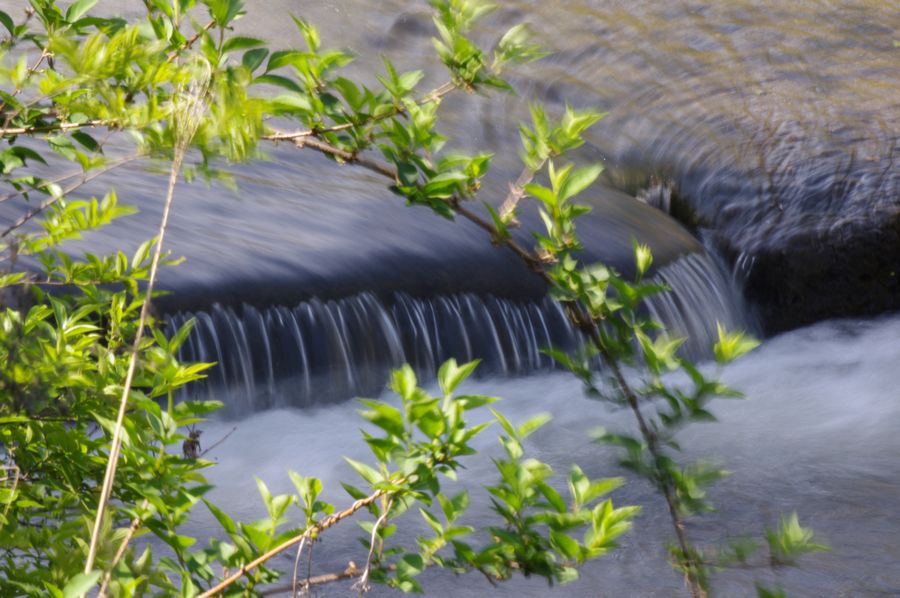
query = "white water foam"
x=817 y=435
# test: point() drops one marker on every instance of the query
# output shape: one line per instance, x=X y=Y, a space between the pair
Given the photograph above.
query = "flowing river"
x=762 y=136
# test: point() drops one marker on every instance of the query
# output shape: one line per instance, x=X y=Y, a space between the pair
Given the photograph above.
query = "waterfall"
x=322 y=351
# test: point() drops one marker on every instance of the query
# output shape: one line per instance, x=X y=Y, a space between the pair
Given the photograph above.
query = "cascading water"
x=322 y=351
x=816 y=435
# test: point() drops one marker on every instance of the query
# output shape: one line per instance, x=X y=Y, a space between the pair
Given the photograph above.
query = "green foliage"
x=65 y=330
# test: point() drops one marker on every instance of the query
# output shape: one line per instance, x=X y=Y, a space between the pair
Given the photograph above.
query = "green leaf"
x=385 y=416
x=407 y=173
x=264 y=492
x=533 y=424
x=643 y=258
x=565 y=545
x=86 y=140
x=8 y=279
x=241 y=43
x=541 y=193
x=403 y=382
x=367 y=473
x=732 y=345
x=410 y=566
x=279 y=81
x=78 y=8
x=253 y=58
x=7 y=22
x=578 y=181
x=80 y=584
x=450 y=375
x=224 y=11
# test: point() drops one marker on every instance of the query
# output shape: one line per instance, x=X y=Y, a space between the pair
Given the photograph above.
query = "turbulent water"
x=321 y=351
x=774 y=123
x=816 y=435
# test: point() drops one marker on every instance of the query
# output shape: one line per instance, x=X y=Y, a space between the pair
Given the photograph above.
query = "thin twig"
x=349 y=573
x=132 y=529
x=434 y=95
x=12 y=491
x=64 y=126
x=116 y=445
x=362 y=585
x=190 y=42
x=297 y=567
x=186 y=127
x=310 y=532
x=218 y=442
x=30 y=73
x=517 y=192
x=532 y=261
x=86 y=178
x=584 y=322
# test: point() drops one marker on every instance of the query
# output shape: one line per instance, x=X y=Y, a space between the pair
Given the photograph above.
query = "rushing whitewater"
x=324 y=351
x=817 y=434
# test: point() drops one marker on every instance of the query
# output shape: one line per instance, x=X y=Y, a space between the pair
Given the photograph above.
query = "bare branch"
x=190 y=42
x=362 y=585
x=349 y=573
x=220 y=441
x=63 y=126
x=186 y=125
x=313 y=530
x=517 y=193
x=52 y=200
x=434 y=95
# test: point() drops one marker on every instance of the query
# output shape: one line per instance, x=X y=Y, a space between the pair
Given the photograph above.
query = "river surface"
x=759 y=124
x=816 y=435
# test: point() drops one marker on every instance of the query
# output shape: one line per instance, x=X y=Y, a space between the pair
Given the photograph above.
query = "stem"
x=652 y=441
x=585 y=323
x=349 y=573
x=55 y=127
x=297 y=567
x=116 y=446
x=310 y=532
x=30 y=73
x=517 y=191
x=86 y=178
x=362 y=586
x=190 y=42
x=219 y=441
x=434 y=95
x=132 y=529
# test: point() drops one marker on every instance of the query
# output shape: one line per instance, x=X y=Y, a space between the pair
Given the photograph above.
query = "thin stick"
x=584 y=322
x=116 y=446
x=31 y=71
x=52 y=200
x=434 y=95
x=186 y=127
x=312 y=531
x=220 y=441
x=362 y=586
x=55 y=127
x=517 y=191
x=12 y=491
x=132 y=529
x=297 y=567
x=349 y=573
x=190 y=42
